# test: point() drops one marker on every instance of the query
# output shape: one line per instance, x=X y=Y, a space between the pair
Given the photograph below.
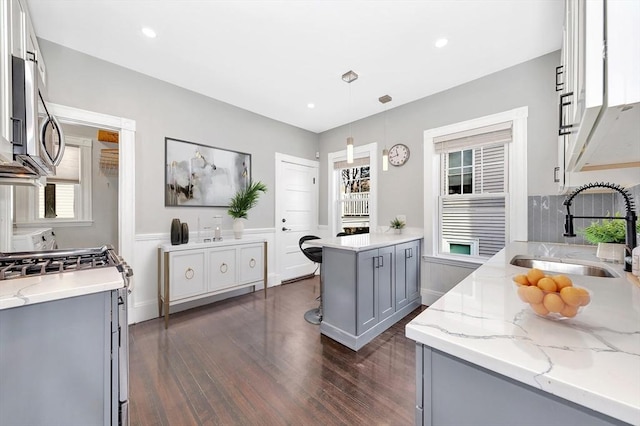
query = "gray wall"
x=529 y=84
x=161 y=109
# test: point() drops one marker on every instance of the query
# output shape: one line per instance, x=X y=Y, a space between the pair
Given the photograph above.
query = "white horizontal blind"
x=357 y=162
x=466 y=218
x=69 y=168
x=489 y=135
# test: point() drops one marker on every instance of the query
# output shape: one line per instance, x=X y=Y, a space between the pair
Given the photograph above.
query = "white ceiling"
x=275 y=57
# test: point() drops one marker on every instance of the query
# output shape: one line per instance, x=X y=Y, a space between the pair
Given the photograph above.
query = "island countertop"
x=592 y=359
x=360 y=242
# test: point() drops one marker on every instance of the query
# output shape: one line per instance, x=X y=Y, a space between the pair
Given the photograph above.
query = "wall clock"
x=398 y=154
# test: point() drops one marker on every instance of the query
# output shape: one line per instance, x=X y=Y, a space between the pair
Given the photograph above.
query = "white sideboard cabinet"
x=193 y=271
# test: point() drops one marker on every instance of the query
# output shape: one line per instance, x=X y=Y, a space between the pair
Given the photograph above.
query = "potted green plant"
x=240 y=204
x=397 y=225
x=609 y=235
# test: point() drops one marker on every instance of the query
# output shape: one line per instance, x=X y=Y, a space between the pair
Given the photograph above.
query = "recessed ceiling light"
x=149 y=32
x=311 y=106
x=441 y=42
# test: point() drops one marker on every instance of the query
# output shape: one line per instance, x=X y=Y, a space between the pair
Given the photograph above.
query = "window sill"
x=60 y=223
x=455 y=260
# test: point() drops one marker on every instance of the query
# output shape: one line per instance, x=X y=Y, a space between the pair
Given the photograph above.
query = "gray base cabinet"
x=361 y=291
x=451 y=391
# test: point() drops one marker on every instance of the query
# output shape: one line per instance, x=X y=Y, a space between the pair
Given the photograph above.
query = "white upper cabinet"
x=600 y=97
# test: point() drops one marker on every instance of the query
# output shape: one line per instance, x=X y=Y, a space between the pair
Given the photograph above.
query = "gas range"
x=23 y=264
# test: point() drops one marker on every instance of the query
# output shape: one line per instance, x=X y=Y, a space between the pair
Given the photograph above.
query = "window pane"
x=454 y=159
x=468 y=157
x=467 y=183
x=455 y=186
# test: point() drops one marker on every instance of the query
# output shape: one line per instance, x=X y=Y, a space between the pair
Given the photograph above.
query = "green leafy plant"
x=397 y=223
x=245 y=200
x=607 y=231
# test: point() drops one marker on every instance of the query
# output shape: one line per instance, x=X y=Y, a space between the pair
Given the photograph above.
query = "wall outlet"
x=402 y=217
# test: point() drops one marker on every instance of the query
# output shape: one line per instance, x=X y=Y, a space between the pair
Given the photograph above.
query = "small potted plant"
x=244 y=200
x=397 y=225
x=609 y=235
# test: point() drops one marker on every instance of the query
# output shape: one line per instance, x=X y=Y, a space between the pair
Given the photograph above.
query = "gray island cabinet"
x=370 y=281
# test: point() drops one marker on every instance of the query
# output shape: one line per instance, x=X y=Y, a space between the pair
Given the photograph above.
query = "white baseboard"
x=429 y=297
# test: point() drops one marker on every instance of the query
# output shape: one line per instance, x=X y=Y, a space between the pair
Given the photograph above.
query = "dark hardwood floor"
x=251 y=361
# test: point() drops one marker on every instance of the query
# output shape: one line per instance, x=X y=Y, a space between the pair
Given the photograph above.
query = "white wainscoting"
x=143 y=302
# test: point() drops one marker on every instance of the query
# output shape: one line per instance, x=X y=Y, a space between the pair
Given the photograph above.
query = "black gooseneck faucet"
x=631 y=218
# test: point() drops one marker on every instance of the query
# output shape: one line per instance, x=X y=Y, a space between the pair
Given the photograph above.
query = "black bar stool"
x=314 y=254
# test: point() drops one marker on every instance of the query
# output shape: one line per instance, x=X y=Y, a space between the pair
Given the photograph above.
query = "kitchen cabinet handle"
x=189 y=273
x=286 y=229
x=564 y=129
x=224 y=268
x=556 y=174
x=252 y=263
x=381 y=261
x=559 y=82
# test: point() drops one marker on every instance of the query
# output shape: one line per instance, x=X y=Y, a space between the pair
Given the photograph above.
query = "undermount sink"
x=563 y=266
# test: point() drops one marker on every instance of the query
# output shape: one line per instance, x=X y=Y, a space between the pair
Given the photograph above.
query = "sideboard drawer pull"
x=252 y=263
x=189 y=273
x=224 y=268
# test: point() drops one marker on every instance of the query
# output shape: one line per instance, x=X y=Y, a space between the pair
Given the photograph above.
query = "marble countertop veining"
x=592 y=359
x=44 y=288
x=359 y=242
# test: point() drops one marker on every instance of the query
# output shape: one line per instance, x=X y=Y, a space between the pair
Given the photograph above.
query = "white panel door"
x=296 y=213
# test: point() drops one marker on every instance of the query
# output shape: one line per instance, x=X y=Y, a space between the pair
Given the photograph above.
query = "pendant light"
x=385 y=152
x=349 y=77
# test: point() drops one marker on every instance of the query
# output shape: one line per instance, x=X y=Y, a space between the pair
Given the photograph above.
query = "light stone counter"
x=592 y=360
x=359 y=242
x=45 y=288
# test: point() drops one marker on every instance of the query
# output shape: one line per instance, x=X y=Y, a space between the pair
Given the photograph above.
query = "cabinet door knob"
x=252 y=263
x=224 y=268
x=189 y=273
x=286 y=229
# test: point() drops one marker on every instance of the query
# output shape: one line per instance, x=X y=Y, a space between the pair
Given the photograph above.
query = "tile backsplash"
x=547 y=213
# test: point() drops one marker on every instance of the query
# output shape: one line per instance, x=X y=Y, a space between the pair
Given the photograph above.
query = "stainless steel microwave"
x=38 y=143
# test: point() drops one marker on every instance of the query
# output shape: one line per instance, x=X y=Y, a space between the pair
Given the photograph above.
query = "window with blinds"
x=473 y=192
x=57 y=200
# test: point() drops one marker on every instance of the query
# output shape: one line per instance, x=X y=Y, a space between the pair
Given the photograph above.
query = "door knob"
x=286 y=229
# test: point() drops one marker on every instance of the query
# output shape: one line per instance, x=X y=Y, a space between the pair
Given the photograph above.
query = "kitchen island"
x=369 y=282
x=483 y=356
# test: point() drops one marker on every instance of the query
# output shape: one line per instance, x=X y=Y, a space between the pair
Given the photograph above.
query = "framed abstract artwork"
x=199 y=175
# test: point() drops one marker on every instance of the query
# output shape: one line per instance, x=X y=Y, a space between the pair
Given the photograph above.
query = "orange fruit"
x=533 y=294
x=521 y=293
x=553 y=302
x=585 y=298
x=547 y=284
x=521 y=279
x=569 y=311
x=534 y=275
x=539 y=309
x=572 y=296
x=562 y=281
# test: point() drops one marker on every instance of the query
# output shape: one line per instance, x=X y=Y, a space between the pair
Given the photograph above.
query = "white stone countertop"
x=592 y=359
x=360 y=242
x=44 y=288
x=211 y=244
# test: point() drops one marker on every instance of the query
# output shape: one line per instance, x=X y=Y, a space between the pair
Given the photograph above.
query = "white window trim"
x=517 y=214
x=368 y=150
x=84 y=212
